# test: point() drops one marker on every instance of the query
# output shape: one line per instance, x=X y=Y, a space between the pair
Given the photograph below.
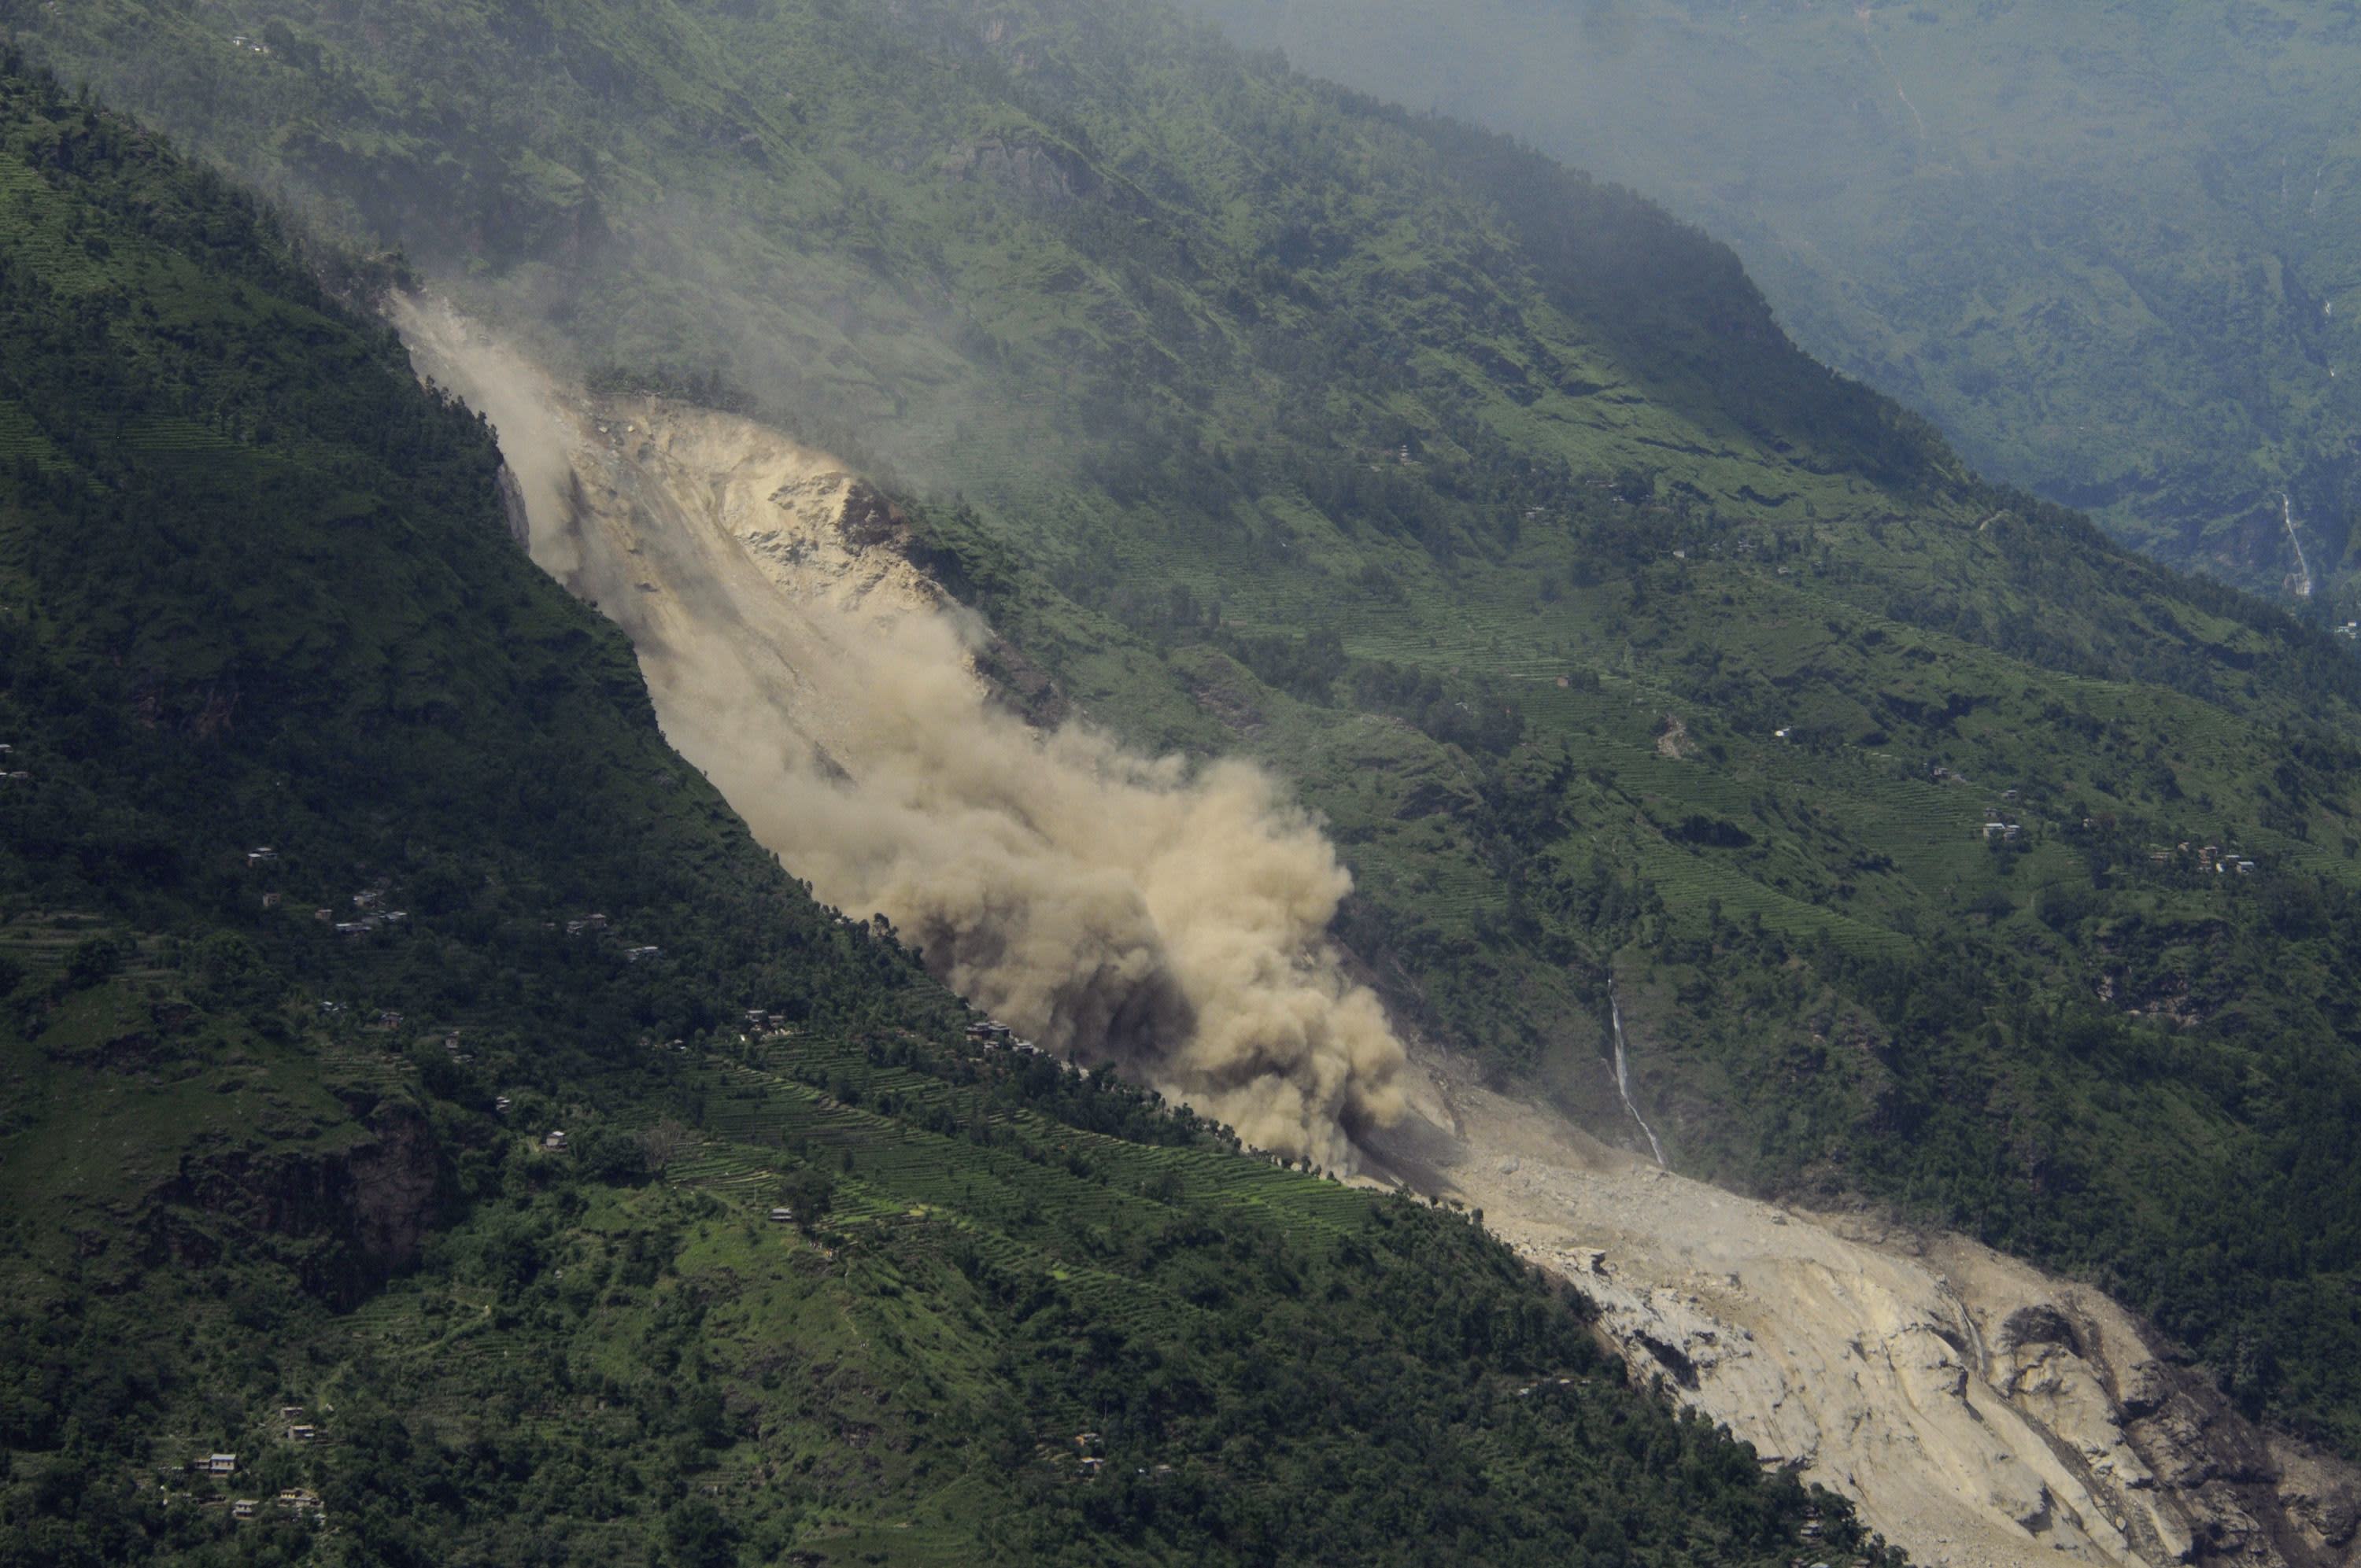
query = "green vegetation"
x=1612 y=636
x=288 y=1186
x=2109 y=247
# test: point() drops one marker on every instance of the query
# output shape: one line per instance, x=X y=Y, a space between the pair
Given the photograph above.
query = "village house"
x=634 y=955
x=271 y=901
x=263 y=856
x=554 y=1141
x=301 y=1433
x=221 y=1464
x=783 y=1216
x=500 y=1106
x=243 y=1509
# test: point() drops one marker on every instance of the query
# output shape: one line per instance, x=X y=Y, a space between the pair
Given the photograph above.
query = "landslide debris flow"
x=1981 y=1414
x=1170 y=918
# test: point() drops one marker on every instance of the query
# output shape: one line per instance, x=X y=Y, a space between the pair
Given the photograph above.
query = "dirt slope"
x=1982 y=1413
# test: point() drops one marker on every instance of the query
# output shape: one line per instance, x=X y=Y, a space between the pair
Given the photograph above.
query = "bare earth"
x=1980 y=1413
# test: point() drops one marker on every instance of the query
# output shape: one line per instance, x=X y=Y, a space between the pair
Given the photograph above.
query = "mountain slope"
x=2107 y=247
x=1614 y=640
x=446 y=1209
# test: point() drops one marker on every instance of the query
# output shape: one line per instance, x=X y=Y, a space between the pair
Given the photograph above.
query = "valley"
x=830 y=781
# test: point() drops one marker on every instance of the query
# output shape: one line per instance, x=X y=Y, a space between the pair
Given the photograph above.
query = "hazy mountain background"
x=2114 y=249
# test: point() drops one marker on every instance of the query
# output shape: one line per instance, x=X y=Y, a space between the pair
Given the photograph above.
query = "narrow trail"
x=1865 y=13
x=1623 y=1080
x=2302 y=565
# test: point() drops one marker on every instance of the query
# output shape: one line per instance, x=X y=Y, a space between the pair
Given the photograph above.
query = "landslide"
x=1978 y=1410
x=1492 y=509
x=1167 y=917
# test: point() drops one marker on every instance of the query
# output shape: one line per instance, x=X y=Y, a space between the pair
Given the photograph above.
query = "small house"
x=500 y=1106
x=2008 y=795
x=1092 y=1466
x=351 y=928
x=783 y=1216
x=2245 y=868
x=366 y=900
x=221 y=1464
x=263 y=856
x=554 y=1141
x=243 y=1509
x=324 y=917
x=634 y=955
x=301 y=1433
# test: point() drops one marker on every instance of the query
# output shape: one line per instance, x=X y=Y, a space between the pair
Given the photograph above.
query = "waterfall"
x=2302 y=566
x=1623 y=1076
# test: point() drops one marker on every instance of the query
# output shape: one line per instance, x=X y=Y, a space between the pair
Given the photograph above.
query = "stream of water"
x=1623 y=1078
x=2302 y=566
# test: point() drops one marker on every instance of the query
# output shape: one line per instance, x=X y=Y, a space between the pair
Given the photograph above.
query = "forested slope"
x=2109 y=247
x=343 y=870
x=1613 y=636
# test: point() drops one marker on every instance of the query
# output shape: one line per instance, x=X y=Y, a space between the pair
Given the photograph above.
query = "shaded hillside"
x=1611 y=636
x=383 y=1106
x=2108 y=247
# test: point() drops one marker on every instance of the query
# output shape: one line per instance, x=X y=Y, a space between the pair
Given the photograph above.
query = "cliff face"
x=346 y=1219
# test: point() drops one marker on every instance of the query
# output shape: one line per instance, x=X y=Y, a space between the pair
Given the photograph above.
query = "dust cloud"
x=1167 y=917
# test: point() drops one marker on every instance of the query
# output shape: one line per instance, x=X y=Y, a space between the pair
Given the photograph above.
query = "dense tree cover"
x=1611 y=637
x=404 y=1053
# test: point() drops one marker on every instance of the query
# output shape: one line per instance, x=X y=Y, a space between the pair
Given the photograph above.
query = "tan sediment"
x=1982 y=1413
x=1166 y=915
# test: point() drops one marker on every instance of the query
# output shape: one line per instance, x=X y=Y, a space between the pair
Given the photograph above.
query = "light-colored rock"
x=1981 y=1414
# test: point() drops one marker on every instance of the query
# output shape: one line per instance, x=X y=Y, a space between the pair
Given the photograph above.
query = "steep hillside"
x=1938 y=848
x=406 y=1056
x=2108 y=247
